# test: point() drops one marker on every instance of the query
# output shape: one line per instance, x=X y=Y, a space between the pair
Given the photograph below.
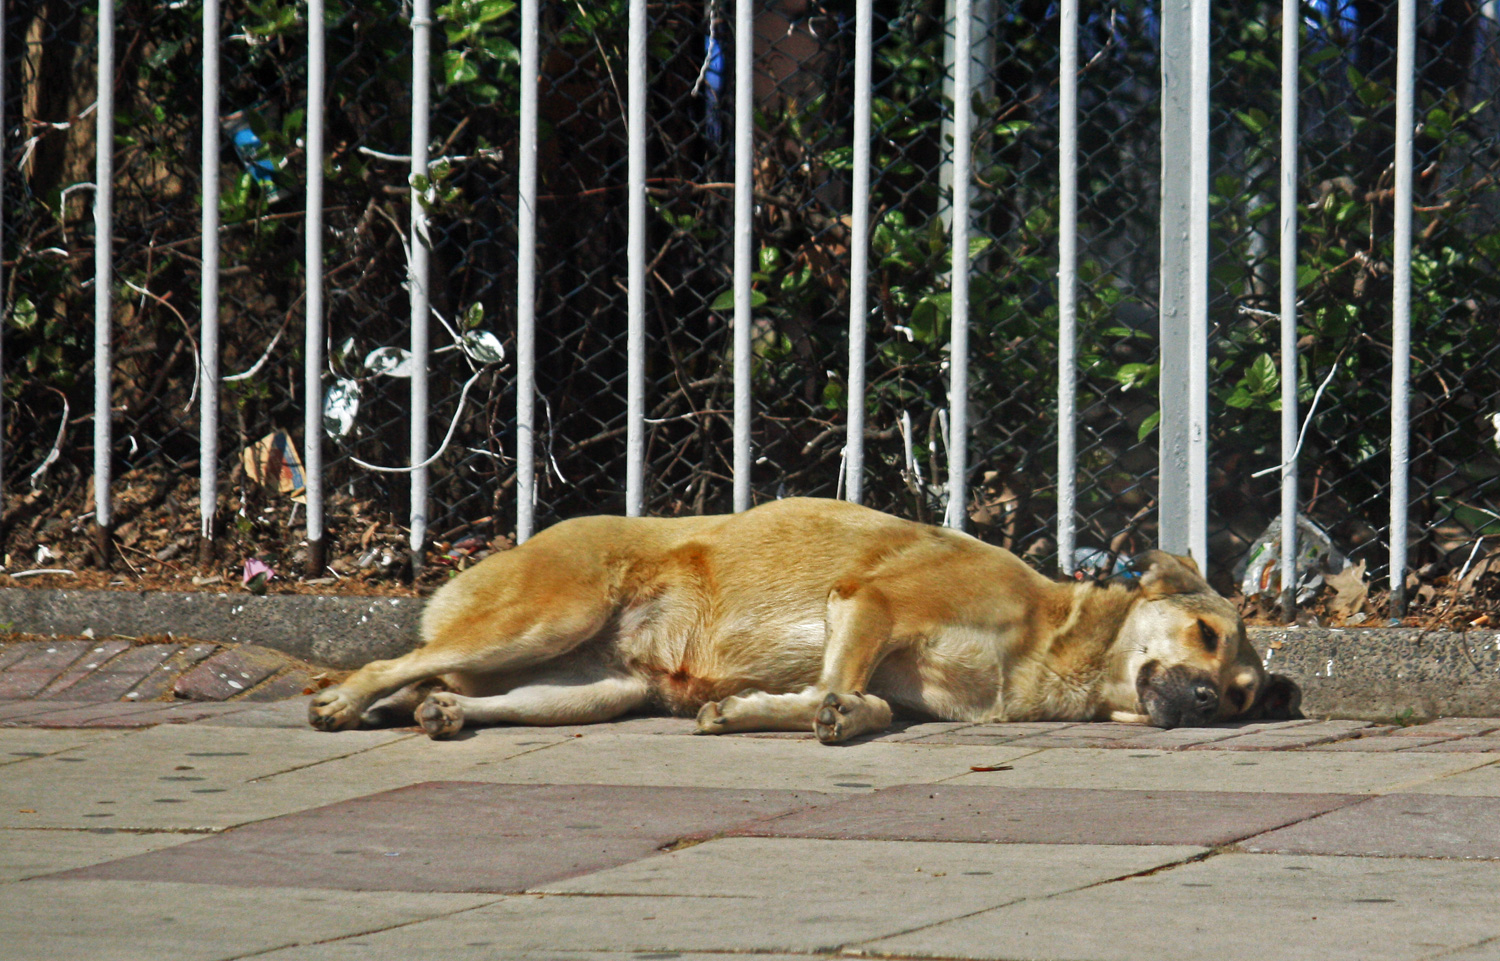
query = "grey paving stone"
x=1268 y=742
x=108 y=714
x=290 y=713
x=14 y=713
x=1397 y=825
x=114 y=921
x=115 y=679
x=95 y=658
x=1464 y=744
x=291 y=684
x=1178 y=738
x=751 y=896
x=1238 y=907
x=456 y=836
x=29 y=854
x=1451 y=727
x=1381 y=744
x=228 y=673
x=1050 y=815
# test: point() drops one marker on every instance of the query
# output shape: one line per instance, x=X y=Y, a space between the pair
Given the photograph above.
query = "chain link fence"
x=803 y=107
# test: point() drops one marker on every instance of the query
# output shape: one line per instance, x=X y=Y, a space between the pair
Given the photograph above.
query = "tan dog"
x=810 y=614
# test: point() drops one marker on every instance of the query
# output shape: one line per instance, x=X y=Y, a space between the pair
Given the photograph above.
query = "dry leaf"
x=989 y=767
x=1351 y=590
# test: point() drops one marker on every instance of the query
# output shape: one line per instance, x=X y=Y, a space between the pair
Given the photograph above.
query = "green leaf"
x=769 y=259
x=725 y=300
x=23 y=314
x=1147 y=426
x=457 y=69
x=474 y=316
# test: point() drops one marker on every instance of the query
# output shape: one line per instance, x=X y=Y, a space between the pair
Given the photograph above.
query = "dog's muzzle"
x=1177 y=696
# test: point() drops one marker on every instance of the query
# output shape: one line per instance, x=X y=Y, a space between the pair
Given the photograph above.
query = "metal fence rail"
x=673 y=258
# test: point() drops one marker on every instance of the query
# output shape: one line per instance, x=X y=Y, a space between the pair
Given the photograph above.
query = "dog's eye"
x=1237 y=697
x=1209 y=635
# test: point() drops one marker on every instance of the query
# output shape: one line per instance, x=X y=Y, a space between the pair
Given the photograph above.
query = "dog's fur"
x=810 y=614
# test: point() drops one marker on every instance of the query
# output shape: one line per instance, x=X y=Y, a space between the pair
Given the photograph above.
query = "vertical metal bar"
x=4 y=162
x=526 y=280
x=744 y=151
x=104 y=141
x=1198 y=294
x=1406 y=43
x=1176 y=141
x=421 y=70
x=208 y=318
x=958 y=351
x=1291 y=20
x=982 y=16
x=859 y=252
x=635 y=387
x=1067 y=283
x=312 y=424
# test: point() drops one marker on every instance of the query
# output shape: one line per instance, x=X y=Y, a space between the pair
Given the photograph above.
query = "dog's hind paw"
x=332 y=710
x=441 y=715
x=842 y=716
x=828 y=725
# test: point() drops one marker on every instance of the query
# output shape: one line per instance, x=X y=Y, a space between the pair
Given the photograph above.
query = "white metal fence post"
x=4 y=312
x=526 y=279
x=421 y=60
x=744 y=253
x=1067 y=283
x=859 y=253
x=1198 y=293
x=208 y=318
x=635 y=389
x=104 y=140
x=1290 y=26
x=312 y=424
x=1406 y=43
x=958 y=352
x=1173 y=492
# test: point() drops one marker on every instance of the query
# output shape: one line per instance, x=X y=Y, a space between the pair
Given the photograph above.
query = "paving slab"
x=602 y=757
x=1380 y=745
x=175 y=777
x=1450 y=727
x=107 y=714
x=228 y=673
x=1398 y=825
x=290 y=713
x=28 y=854
x=1050 y=815
x=456 y=836
x=43 y=664
x=363 y=949
x=158 y=683
x=115 y=679
x=13 y=713
x=92 y=660
x=12 y=652
x=761 y=895
x=1276 y=771
x=44 y=920
x=291 y=684
x=1481 y=781
x=24 y=744
x=1466 y=745
x=1238 y=907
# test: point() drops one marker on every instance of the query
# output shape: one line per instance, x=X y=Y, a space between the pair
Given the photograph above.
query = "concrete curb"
x=341 y=632
x=1377 y=673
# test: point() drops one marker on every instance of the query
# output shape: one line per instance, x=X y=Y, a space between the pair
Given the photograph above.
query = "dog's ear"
x=1169 y=574
x=1280 y=700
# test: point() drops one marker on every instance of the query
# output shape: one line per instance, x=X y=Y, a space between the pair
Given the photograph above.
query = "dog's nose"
x=1205 y=698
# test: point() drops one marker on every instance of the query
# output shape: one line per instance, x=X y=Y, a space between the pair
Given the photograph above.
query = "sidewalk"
x=231 y=830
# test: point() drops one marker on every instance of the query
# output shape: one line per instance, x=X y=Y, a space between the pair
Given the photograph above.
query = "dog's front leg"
x=859 y=637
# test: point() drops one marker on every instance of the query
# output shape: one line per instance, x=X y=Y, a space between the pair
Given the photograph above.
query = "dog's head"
x=1187 y=656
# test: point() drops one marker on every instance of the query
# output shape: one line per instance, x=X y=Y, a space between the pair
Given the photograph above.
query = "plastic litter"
x=272 y=462
x=1316 y=556
x=1092 y=562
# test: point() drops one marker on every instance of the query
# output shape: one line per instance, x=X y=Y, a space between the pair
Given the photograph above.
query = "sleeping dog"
x=808 y=614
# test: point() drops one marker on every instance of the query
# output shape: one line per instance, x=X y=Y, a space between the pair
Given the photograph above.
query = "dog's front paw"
x=332 y=710
x=711 y=719
x=441 y=715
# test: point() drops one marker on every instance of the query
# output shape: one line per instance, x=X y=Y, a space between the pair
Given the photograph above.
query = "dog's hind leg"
x=839 y=706
x=549 y=700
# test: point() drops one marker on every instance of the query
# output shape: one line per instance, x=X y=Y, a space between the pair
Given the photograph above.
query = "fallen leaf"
x=989 y=767
x=1276 y=645
x=1350 y=588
